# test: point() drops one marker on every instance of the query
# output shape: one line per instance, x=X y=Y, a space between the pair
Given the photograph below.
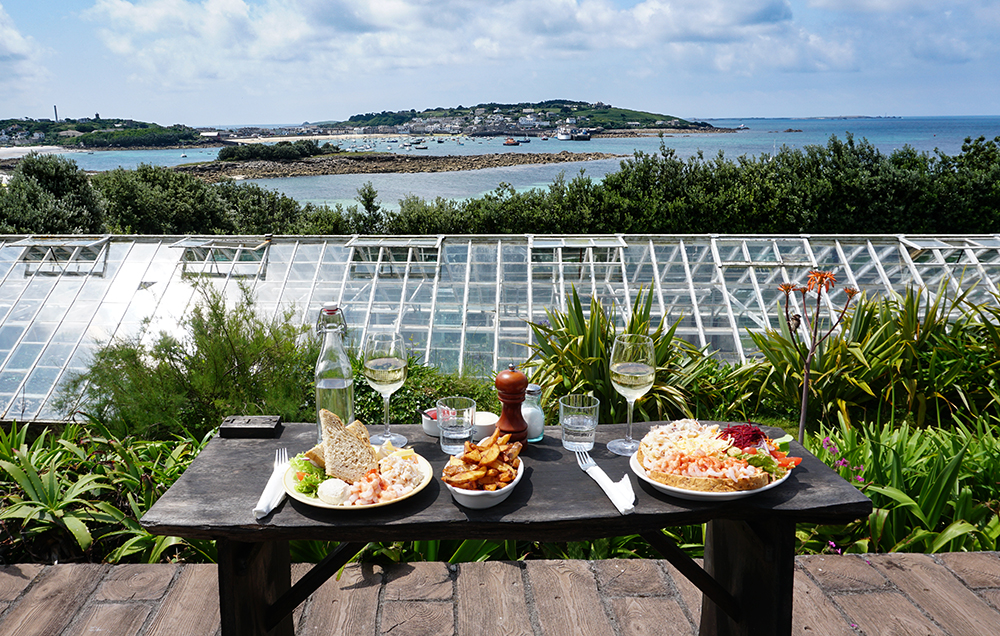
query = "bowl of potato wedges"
x=484 y=474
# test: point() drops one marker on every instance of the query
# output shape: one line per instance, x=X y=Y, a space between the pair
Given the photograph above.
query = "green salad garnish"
x=311 y=475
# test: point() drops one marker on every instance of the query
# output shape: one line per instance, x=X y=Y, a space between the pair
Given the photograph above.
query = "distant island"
x=548 y=118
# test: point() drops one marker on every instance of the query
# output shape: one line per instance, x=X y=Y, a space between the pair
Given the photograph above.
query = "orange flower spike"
x=786 y=288
x=851 y=292
x=818 y=280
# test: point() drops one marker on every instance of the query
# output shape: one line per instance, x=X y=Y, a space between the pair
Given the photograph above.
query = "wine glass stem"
x=385 y=418
x=628 y=429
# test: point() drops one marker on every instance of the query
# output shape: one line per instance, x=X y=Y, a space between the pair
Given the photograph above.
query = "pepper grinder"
x=511 y=384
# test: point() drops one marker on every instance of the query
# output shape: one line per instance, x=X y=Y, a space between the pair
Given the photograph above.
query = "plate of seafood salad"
x=697 y=461
x=346 y=472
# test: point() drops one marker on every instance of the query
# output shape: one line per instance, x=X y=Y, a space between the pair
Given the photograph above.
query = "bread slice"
x=359 y=431
x=705 y=484
x=317 y=454
x=345 y=456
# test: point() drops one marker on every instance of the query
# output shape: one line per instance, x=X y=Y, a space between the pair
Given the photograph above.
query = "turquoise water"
x=760 y=136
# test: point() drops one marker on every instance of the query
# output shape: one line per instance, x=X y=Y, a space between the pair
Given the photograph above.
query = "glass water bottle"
x=334 y=375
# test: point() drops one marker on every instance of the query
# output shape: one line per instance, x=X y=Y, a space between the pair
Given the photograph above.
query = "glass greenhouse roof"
x=462 y=301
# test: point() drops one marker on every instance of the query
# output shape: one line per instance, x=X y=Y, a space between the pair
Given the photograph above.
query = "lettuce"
x=312 y=475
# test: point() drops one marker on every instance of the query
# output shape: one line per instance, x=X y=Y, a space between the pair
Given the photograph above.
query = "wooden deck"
x=954 y=594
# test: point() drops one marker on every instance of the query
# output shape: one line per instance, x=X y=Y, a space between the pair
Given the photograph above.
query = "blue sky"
x=213 y=62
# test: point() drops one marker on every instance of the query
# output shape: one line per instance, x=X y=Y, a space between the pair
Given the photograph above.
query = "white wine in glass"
x=633 y=368
x=384 y=366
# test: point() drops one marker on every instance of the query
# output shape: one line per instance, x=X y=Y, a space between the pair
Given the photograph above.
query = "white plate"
x=697 y=495
x=426 y=474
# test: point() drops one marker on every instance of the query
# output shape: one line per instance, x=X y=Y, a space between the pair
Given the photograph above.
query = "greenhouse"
x=462 y=302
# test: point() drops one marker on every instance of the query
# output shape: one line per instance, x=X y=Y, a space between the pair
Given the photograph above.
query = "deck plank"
x=691 y=596
x=345 y=606
x=491 y=600
x=843 y=573
x=650 y=616
x=814 y=612
x=976 y=569
x=421 y=581
x=566 y=598
x=418 y=618
x=136 y=582
x=631 y=577
x=111 y=619
x=931 y=586
x=15 y=578
x=52 y=602
x=191 y=606
x=888 y=614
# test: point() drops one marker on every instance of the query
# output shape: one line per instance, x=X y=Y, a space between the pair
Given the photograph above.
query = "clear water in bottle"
x=337 y=396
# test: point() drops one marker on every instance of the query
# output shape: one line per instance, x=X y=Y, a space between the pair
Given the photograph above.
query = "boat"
x=511 y=142
x=420 y=147
x=183 y=155
x=564 y=134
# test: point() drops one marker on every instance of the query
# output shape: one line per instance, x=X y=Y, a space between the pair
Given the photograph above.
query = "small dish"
x=485 y=424
x=428 y=419
x=480 y=499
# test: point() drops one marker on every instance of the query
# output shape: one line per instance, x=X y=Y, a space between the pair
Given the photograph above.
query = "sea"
x=755 y=137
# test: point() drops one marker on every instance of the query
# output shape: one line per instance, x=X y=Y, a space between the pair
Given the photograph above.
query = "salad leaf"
x=311 y=475
x=783 y=443
x=765 y=462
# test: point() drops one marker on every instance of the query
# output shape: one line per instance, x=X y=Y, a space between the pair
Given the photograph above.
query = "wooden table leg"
x=251 y=577
x=755 y=562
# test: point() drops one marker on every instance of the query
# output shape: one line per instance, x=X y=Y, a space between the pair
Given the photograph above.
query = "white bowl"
x=485 y=424
x=479 y=499
x=429 y=423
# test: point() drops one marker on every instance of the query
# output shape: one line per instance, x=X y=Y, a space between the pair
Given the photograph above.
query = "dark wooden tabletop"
x=555 y=500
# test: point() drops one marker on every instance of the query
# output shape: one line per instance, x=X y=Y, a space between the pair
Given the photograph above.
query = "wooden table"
x=749 y=549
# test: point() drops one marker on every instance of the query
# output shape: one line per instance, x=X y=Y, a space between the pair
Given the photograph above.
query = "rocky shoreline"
x=378 y=163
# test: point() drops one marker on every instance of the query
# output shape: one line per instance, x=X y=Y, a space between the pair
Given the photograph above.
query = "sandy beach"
x=16 y=152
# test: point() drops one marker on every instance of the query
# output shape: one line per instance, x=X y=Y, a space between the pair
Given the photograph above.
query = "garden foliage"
x=844 y=187
x=78 y=495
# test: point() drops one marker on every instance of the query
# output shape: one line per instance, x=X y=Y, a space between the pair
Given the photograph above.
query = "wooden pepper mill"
x=511 y=385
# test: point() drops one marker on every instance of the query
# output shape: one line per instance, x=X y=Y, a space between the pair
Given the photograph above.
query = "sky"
x=242 y=62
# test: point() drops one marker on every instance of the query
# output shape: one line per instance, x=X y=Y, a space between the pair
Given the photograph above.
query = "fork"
x=621 y=500
x=280 y=458
x=585 y=461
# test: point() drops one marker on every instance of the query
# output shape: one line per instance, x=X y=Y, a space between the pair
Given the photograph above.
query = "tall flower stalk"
x=818 y=282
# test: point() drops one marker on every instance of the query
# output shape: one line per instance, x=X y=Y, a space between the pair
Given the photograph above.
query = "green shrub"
x=79 y=494
x=935 y=358
x=933 y=490
x=228 y=361
x=571 y=354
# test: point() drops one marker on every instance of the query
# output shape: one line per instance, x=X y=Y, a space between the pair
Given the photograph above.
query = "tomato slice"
x=787 y=462
x=299 y=475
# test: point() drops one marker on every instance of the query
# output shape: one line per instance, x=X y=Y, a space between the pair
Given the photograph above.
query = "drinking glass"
x=456 y=418
x=578 y=415
x=383 y=357
x=633 y=367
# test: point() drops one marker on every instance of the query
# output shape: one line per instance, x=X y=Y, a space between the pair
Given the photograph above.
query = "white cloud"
x=191 y=42
x=20 y=56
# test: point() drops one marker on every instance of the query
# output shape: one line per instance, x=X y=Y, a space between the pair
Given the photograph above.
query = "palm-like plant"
x=571 y=354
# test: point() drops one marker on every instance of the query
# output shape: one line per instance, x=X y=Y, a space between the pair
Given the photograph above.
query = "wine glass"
x=383 y=357
x=633 y=367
